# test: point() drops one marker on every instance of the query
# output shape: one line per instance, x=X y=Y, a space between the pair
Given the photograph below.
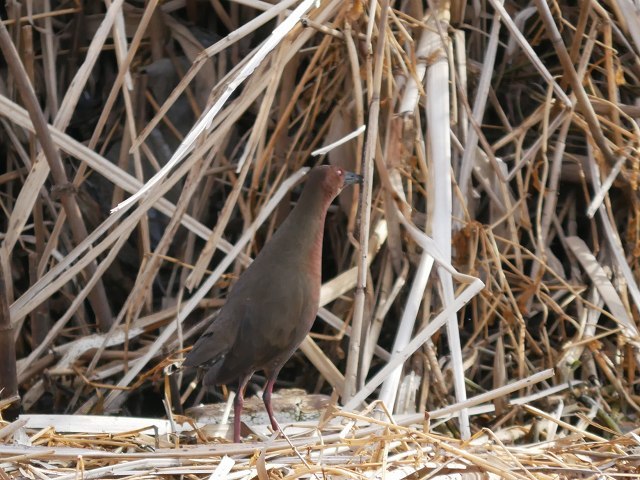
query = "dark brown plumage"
x=273 y=304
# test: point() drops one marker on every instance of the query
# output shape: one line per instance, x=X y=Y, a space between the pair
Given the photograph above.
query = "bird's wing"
x=273 y=319
x=215 y=342
x=262 y=321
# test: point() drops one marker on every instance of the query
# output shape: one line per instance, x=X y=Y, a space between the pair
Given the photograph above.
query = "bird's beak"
x=350 y=178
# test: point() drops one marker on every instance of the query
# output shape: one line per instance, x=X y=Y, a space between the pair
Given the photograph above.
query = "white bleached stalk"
x=409 y=314
x=337 y=143
x=439 y=143
x=602 y=192
x=482 y=94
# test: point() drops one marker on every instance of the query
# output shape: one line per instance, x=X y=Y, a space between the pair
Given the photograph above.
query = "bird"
x=272 y=306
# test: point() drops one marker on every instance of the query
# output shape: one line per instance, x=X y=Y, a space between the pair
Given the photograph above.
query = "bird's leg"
x=237 y=406
x=266 y=397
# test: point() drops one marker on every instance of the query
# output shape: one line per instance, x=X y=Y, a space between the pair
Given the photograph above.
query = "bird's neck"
x=304 y=228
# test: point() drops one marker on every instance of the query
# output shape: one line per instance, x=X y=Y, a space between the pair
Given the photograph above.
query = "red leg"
x=237 y=406
x=266 y=397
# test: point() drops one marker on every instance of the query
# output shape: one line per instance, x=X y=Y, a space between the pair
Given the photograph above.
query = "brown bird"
x=273 y=304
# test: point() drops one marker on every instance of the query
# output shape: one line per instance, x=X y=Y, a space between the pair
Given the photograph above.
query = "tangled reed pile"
x=484 y=277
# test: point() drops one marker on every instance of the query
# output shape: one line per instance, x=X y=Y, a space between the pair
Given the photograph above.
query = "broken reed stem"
x=354 y=358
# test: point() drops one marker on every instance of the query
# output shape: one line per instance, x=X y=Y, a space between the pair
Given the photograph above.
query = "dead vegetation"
x=488 y=266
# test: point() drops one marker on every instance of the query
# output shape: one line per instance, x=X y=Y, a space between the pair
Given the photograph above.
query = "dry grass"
x=488 y=265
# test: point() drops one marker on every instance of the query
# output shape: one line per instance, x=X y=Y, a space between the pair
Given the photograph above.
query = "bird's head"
x=333 y=179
